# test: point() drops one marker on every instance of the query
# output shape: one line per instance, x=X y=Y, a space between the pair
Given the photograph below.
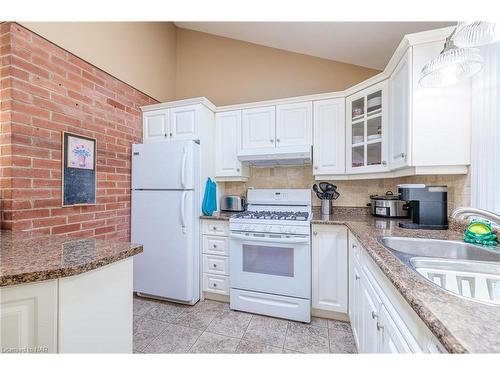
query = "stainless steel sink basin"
x=466 y=270
x=423 y=247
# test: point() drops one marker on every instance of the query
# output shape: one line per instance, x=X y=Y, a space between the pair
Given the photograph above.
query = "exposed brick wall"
x=45 y=91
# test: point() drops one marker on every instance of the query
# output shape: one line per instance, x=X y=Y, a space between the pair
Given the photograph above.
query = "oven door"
x=271 y=263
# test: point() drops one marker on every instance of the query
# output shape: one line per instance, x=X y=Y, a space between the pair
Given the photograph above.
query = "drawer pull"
x=214 y=228
x=215 y=285
x=215 y=265
x=215 y=246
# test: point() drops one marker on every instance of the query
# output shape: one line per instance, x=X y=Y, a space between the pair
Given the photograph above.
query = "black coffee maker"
x=427 y=204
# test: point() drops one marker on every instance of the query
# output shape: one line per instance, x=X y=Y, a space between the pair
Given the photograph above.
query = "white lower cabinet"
x=96 y=310
x=381 y=320
x=28 y=318
x=87 y=313
x=215 y=255
x=329 y=268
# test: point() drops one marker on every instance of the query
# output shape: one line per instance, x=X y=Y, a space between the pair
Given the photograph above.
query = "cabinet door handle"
x=271 y=140
x=403 y=155
x=356 y=277
x=379 y=327
x=354 y=246
x=315 y=233
x=315 y=167
x=277 y=139
x=170 y=134
x=237 y=169
x=384 y=162
x=374 y=315
x=166 y=135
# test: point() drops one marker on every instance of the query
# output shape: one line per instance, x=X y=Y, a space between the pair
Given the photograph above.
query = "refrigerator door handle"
x=183 y=168
x=183 y=211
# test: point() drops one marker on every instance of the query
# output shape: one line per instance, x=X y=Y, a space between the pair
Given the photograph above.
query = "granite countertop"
x=26 y=258
x=461 y=325
x=220 y=215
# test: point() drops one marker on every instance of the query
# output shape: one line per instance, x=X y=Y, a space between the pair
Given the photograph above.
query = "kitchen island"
x=64 y=295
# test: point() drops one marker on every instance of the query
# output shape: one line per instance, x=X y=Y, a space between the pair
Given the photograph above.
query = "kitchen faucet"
x=464 y=213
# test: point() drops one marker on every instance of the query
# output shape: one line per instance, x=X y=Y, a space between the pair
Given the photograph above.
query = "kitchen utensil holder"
x=326 y=207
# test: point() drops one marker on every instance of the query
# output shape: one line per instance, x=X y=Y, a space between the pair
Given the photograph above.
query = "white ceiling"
x=369 y=44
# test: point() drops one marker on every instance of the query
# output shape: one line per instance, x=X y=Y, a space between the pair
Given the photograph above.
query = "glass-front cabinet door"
x=366 y=119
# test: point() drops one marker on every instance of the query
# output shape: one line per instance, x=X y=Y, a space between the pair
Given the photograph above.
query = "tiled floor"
x=211 y=327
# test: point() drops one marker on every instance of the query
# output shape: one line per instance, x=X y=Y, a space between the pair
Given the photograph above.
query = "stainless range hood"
x=279 y=156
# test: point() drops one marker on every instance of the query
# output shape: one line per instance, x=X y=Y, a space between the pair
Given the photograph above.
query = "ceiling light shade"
x=475 y=34
x=451 y=66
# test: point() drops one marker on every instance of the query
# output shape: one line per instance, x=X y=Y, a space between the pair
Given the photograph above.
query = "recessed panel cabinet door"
x=258 y=128
x=369 y=336
x=156 y=127
x=28 y=317
x=390 y=338
x=227 y=144
x=294 y=124
x=399 y=112
x=329 y=268
x=329 y=137
x=183 y=122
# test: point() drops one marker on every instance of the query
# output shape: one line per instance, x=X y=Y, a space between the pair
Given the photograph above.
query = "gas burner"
x=272 y=215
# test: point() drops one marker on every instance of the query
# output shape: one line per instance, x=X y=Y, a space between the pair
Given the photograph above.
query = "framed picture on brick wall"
x=78 y=170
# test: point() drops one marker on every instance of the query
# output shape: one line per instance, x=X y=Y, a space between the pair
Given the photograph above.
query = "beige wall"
x=353 y=193
x=141 y=54
x=228 y=71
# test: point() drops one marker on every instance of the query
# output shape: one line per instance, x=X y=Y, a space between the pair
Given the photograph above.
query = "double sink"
x=469 y=271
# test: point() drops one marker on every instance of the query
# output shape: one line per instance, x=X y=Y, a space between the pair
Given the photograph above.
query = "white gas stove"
x=270 y=254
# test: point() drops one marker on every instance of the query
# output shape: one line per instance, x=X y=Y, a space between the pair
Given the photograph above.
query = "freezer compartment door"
x=163 y=222
x=164 y=165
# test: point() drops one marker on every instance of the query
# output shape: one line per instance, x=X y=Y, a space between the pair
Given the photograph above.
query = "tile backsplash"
x=352 y=193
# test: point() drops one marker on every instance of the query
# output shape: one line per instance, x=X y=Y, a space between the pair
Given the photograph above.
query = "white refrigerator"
x=165 y=212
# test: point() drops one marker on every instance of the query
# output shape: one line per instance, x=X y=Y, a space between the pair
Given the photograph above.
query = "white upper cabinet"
x=259 y=128
x=329 y=268
x=400 y=113
x=294 y=124
x=177 y=123
x=366 y=140
x=183 y=122
x=228 y=144
x=155 y=125
x=441 y=116
x=329 y=137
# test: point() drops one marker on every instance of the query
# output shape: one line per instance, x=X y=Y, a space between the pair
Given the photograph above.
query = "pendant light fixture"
x=451 y=66
x=475 y=34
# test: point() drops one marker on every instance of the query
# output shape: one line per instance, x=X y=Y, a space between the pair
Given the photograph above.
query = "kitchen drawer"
x=216 y=264
x=216 y=245
x=216 y=283
x=217 y=227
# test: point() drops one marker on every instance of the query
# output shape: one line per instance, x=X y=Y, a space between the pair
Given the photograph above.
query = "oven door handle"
x=268 y=239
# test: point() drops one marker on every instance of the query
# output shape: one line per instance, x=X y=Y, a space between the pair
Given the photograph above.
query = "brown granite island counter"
x=66 y=295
